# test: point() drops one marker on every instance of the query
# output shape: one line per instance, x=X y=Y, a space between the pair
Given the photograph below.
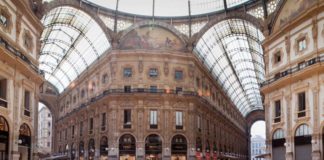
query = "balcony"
x=127 y=126
x=180 y=127
x=3 y=103
x=299 y=67
x=301 y=114
x=277 y=120
x=153 y=126
x=27 y=113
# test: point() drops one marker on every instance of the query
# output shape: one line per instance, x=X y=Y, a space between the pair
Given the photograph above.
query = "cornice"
x=312 y=11
x=26 y=11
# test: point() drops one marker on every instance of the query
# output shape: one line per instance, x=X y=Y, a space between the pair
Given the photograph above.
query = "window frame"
x=127 y=123
x=177 y=76
x=155 y=74
x=277 y=104
x=179 y=119
x=127 y=72
x=301 y=44
x=91 y=127
x=153 y=121
x=103 y=121
x=301 y=104
x=27 y=102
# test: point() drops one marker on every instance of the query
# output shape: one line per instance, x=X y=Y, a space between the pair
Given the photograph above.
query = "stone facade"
x=208 y=116
x=294 y=88
x=44 y=130
x=19 y=80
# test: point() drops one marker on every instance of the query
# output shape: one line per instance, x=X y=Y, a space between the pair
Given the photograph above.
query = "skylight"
x=232 y=51
x=167 y=8
x=70 y=43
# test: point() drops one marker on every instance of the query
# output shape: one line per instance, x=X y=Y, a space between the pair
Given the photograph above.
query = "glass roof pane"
x=233 y=48
x=71 y=41
x=167 y=8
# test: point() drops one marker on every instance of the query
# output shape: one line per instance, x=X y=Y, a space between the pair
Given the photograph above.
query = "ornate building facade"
x=171 y=82
x=20 y=31
x=44 y=130
x=294 y=86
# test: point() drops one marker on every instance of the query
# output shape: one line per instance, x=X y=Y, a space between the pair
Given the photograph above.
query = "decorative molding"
x=7 y=27
x=300 y=37
x=28 y=40
x=273 y=58
x=287 y=43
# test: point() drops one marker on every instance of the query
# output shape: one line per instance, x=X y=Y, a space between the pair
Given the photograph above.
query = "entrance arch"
x=303 y=142
x=91 y=149
x=127 y=147
x=4 y=138
x=81 y=150
x=24 y=142
x=103 y=148
x=278 y=145
x=73 y=151
x=179 y=146
x=153 y=147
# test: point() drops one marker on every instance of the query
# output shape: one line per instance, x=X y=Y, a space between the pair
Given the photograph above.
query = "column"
x=316 y=149
x=289 y=134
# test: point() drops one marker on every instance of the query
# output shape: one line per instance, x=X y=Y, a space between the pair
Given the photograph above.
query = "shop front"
x=24 y=142
x=81 y=150
x=104 y=148
x=179 y=148
x=153 y=147
x=91 y=149
x=127 y=147
x=4 y=138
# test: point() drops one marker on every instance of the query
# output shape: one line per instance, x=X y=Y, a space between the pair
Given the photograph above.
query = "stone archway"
x=252 y=117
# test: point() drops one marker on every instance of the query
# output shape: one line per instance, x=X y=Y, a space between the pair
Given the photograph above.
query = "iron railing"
x=299 y=67
x=132 y=91
x=20 y=55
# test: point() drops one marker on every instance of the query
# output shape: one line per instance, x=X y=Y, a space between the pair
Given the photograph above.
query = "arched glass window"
x=70 y=43
x=278 y=134
x=168 y=8
x=303 y=130
x=231 y=50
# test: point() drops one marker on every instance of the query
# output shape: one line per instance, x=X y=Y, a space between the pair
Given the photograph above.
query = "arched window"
x=303 y=130
x=153 y=147
x=127 y=146
x=303 y=145
x=278 y=134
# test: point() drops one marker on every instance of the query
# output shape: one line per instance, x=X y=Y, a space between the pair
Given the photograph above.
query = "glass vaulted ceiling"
x=167 y=8
x=70 y=42
x=232 y=51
